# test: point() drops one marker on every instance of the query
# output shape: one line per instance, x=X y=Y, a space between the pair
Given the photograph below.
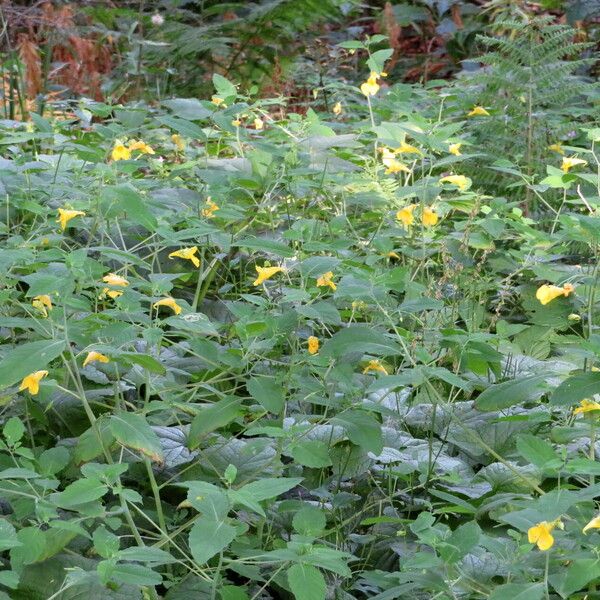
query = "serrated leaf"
x=132 y=430
x=208 y=537
x=306 y=582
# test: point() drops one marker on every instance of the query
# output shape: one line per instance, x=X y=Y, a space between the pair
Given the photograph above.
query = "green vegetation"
x=350 y=352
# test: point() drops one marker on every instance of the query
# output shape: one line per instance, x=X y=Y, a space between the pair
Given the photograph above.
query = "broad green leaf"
x=128 y=573
x=267 y=392
x=80 y=492
x=508 y=393
x=27 y=358
x=214 y=417
x=306 y=582
x=125 y=198
x=208 y=537
x=311 y=453
x=518 y=591
x=537 y=451
x=360 y=338
x=13 y=430
x=576 y=388
x=362 y=428
x=143 y=360
x=575 y=576
x=263 y=489
x=8 y=536
x=463 y=539
x=310 y=521
x=133 y=431
x=223 y=86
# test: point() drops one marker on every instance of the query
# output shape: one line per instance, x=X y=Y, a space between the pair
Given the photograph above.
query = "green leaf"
x=13 y=430
x=462 y=540
x=26 y=359
x=267 y=392
x=208 y=537
x=125 y=198
x=576 y=388
x=106 y=543
x=537 y=451
x=508 y=393
x=214 y=417
x=306 y=582
x=362 y=428
x=80 y=492
x=311 y=453
x=224 y=87
x=263 y=489
x=518 y=591
x=127 y=573
x=143 y=360
x=8 y=536
x=132 y=430
x=360 y=338
x=310 y=521
x=576 y=575
x=232 y=592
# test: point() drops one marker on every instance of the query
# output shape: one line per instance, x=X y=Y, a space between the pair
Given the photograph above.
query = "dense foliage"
x=353 y=352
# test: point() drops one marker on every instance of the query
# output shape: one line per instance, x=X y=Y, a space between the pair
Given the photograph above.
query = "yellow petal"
x=65 y=215
x=430 y=217
x=593 y=524
x=405 y=215
x=113 y=279
x=374 y=365
x=568 y=163
x=337 y=108
x=94 y=356
x=326 y=280
x=178 y=141
x=455 y=148
x=586 y=406
x=478 y=111
x=460 y=181
x=313 y=344
x=265 y=273
x=120 y=152
x=31 y=382
x=187 y=254
x=258 y=124
x=43 y=303
x=170 y=303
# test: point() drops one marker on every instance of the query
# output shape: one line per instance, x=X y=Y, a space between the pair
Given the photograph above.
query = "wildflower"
x=120 y=152
x=157 y=19
x=547 y=293
x=259 y=124
x=218 y=101
x=114 y=280
x=169 y=302
x=265 y=273
x=405 y=215
x=405 y=148
x=393 y=255
x=43 y=303
x=178 y=141
x=569 y=163
x=94 y=356
x=430 y=217
x=478 y=111
x=541 y=535
x=460 y=181
x=141 y=146
x=187 y=254
x=393 y=165
x=455 y=148
x=593 y=524
x=556 y=148
x=337 y=108
x=210 y=208
x=65 y=215
x=325 y=280
x=370 y=87
x=236 y=122
x=586 y=406
x=31 y=382
x=313 y=344
x=374 y=365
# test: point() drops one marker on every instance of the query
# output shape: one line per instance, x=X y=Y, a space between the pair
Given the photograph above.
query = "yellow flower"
x=455 y=148
x=556 y=148
x=370 y=87
x=430 y=217
x=170 y=302
x=31 y=383
x=259 y=124
x=265 y=273
x=178 y=141
x=593 y=524
x=541 y=535
x=210 y=208
x=478 y=111
x=393 y=165
x=405 y=148
x=393 y=255
x=569 y=163
x=586 y=406
x=374 y=365
x=120 y=152
x=94 y=356
x=236 y=122
x=115 y=280
x=547 y=293
x=460 y=181
x=337 y=108
x=325 y=280
x=313 y=344
x=141 y=146
x=218 y=101
x=405 y=215
x=187 y=254
x=43 y=303
x=65 y=215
